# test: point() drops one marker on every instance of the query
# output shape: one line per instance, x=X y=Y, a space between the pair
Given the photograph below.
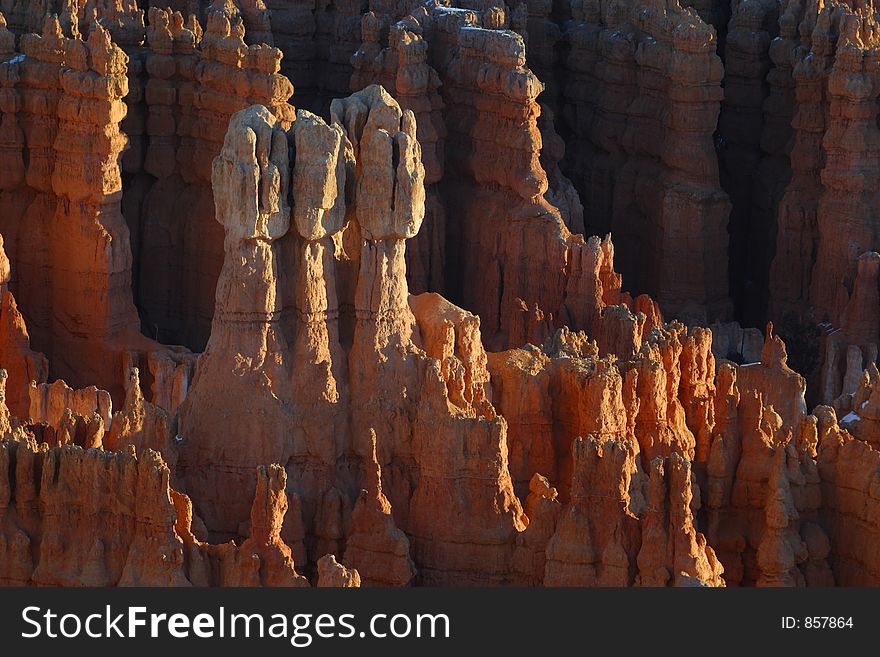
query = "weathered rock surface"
x=61 y=117
x=22 y=364
x=193 y=81
x=351 y=334
x=641 y=102
x=825 y=267
x=74 y=517
x=376 y=548
x=343 y=419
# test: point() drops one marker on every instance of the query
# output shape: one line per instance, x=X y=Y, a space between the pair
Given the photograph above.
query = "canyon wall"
x=640 y=142
x=415 y=52
x=61 y=190
x=451 y=66
x=182 y=83
x=346 y=423
x=466 y=80
x=640 y=104
x=824 y=270
x=404 y=449
x=191 y=82
x=75 y=517
x=752 y=146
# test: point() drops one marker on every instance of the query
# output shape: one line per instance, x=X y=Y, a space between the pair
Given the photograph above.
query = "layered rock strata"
x=75 y=517
x=641 y=104
x=61 y=188
x=339 y=426
x=346 y=350
x=194 y=82
x=825 y=266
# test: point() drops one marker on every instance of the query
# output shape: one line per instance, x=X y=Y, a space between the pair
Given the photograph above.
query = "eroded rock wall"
x=62 y=223
x=641 y=103
x=194 y=82
x=75 y=517
x=340 y=426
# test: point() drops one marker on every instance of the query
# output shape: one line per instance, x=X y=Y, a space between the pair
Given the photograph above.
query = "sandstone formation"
x=633 y=432
x=185 y=79
x=176 y=95
x=375 y=545
x=60 y=199
x=349 y=348
x=641 y=103
x=74 y=517
x=372 y=342
x=331 y=573
x=824 y=267
x=193 y=81
x=22 y=365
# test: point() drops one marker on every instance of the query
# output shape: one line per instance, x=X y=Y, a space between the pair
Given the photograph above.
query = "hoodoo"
x=439 y=293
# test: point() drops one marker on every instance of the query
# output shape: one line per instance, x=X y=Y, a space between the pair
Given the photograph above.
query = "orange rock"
x=849 y=468
x=631 y=165
x=543 y=509
x=62 y=115
x=375 y=547
x=275 y=566
x=607 y=536
x=246 y=350
x=780 y=548
x=779 y=384
x=594 y=534
x=140 y=424
x=48 y=403
x=110 y=518
x=22 y=364
x=402 y=68
x=332 y=574
x=332 y=412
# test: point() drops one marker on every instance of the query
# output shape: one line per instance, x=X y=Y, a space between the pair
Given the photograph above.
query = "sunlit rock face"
x=485 y=301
